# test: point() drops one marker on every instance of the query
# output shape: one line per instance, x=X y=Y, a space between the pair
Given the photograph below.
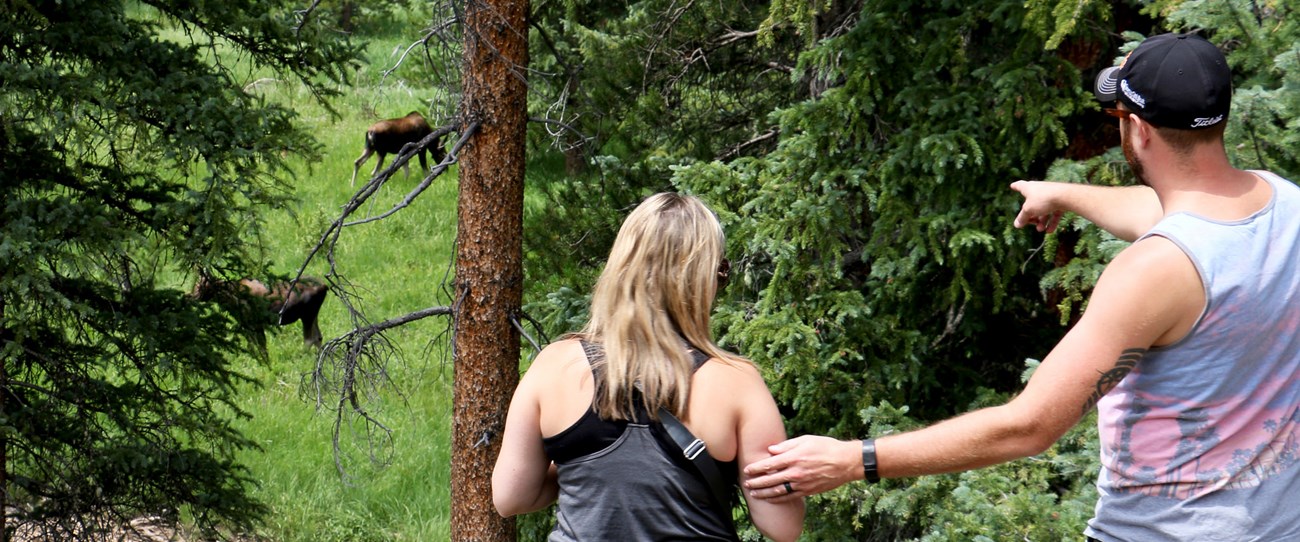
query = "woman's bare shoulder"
x=567 y=347
x=732 y=367
x=737 y=376
x=557 y=358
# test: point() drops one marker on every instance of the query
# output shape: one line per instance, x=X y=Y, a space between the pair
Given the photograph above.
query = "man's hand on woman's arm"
x=811 y=464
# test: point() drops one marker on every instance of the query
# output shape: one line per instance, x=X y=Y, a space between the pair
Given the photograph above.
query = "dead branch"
x=427 y=181
x=330 y=236
x=668 y=24
x=440 y=34
x=580 y=139
x=353 y=365
x=733 y=36
x=735 y=150
x=400 y=59
x=303 y=16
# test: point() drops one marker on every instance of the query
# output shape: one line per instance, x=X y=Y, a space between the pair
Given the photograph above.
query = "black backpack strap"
x=694 y=451
x=690 y=447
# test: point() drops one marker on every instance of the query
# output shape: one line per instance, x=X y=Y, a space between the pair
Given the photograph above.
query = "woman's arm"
x=760 y=426
x=524 y=479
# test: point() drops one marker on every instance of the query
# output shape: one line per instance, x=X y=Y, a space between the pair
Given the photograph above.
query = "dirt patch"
x=145 y=529
x=142 y=529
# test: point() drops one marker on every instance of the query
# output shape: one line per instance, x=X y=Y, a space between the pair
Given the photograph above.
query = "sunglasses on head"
x=1117 y=113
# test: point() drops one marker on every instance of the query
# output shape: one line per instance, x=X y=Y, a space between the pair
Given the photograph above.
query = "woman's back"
x=619 y=481
x=610 y=477
x=633 y=490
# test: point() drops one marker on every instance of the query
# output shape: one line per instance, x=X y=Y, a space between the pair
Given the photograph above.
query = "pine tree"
x=130 y=156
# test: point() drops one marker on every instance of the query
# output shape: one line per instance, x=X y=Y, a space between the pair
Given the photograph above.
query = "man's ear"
x=1141 y=131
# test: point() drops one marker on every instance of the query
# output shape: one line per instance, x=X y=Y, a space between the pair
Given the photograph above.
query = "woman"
x=583 y=424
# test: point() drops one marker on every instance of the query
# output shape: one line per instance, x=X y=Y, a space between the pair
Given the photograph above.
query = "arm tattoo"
x=1109 y=379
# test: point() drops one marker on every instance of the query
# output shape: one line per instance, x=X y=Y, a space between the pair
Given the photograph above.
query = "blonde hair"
x=652 y=300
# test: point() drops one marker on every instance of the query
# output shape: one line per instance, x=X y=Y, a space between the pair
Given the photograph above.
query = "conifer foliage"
x=130 y=157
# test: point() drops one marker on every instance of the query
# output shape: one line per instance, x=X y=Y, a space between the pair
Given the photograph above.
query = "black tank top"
x=619 y=480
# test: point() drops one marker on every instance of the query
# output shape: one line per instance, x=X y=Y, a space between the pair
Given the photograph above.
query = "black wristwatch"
x=869 y=471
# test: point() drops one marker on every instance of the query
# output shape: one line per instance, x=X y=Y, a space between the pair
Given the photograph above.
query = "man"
x=1188 y=348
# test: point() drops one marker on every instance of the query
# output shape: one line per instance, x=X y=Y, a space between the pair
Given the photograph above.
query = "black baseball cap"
x=1171 y=80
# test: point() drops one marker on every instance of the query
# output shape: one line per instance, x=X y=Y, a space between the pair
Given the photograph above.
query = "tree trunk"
x=489 y=259
x=345 y=15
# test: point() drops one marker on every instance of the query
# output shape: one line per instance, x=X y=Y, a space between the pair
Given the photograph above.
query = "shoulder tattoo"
x=1109 y=379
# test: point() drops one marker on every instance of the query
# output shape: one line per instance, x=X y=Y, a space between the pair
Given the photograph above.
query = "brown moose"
x=389 y=136
x=285 y=305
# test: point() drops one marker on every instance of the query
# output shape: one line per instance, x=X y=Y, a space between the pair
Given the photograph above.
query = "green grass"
x=398 y=265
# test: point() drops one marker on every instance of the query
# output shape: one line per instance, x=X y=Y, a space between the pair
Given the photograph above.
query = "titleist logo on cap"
x=1201 y=122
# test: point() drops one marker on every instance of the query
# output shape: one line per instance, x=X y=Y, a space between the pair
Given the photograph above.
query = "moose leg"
x=311 y=335
x=357 y=165
x=406 y=168
x=439 y=153
x=304 y=304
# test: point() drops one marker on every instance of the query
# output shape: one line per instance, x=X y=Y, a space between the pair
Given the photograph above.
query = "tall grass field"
x=398 y=265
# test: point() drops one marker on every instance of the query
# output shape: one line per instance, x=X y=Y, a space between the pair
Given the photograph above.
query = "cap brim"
x=1107 y=88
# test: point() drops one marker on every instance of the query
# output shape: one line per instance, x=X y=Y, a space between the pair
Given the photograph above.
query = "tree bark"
x=489 y=259
x=346 y=10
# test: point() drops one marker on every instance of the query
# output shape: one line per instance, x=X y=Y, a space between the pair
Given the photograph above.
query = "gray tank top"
x=618 y=482
x=1201 y=441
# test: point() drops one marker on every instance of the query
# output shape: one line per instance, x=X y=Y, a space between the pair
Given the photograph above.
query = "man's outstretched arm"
x=1126 y=212
x=1148 y=295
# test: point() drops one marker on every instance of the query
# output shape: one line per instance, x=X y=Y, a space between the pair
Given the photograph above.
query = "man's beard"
x=1133 y=163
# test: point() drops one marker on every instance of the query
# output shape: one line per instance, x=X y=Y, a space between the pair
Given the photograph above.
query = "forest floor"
x=142 y=529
